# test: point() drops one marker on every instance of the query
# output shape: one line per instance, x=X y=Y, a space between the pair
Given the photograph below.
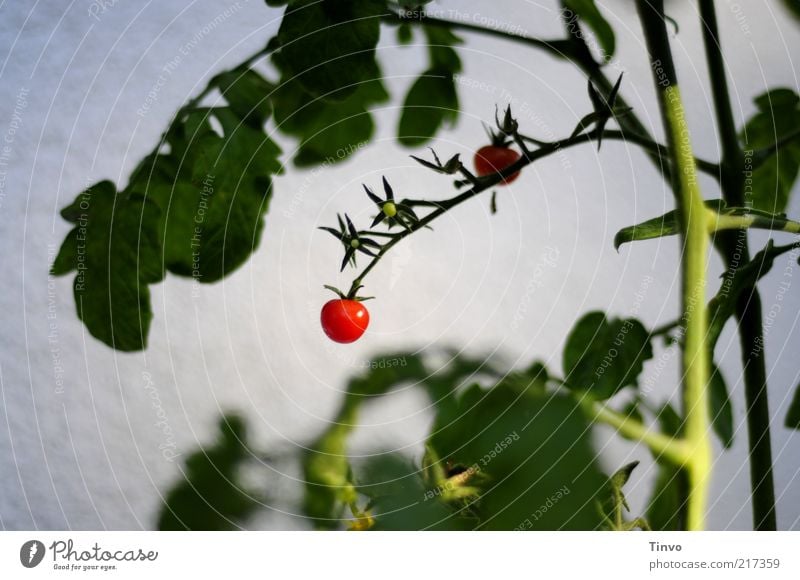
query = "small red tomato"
x=490 y=159
x=344 y=320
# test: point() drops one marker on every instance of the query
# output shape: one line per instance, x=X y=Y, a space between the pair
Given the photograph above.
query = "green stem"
x=649 y=145
x=748 y=307
x=694 y=225
x=676 y=450
x=557 y=47
x=482 y=184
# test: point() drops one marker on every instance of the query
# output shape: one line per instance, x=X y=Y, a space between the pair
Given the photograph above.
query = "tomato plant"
x=480 y=457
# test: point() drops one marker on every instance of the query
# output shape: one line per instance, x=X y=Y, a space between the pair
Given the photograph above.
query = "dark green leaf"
x=772 y=179
x=405 y=33
x=793 y=415
x=431 y=103
x=734 y=284
x=530 y=457
x=398 y=497
x=213 y=190
x=329 y=46
x=328 y=132
x=793 y=6
x=586 y=11
x=327 y=466
x=212 y=496
x=720 y=408
x=669 y=224
x=602 y=356
x=116 y=251
x=248 y=95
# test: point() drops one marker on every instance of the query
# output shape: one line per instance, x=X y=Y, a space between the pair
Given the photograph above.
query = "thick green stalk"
x=694 y=264
x=748 y=307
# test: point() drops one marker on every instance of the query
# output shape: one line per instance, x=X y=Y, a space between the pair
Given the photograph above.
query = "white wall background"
x=89 y=457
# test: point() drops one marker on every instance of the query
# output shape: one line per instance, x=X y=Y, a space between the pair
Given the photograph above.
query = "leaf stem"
x=675 y=450
x=557 y=47
x=693 y=217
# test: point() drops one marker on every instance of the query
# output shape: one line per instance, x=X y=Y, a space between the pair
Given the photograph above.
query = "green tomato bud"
x=354 y=244
x=389 y=209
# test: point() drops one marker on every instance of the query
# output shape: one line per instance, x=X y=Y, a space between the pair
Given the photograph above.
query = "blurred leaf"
x=405 y=34
x=329 y=482
x=720 y=407
x=247 y=93
x=328 y=132
x=793 y=415
x=793 y=6
x=329 y=46
x=617 y=506
x=211 y=496
x=116 y=251
x=778 y=116
x=587 y=11
x=530 y=457
x=602 y=356
x=432 y=100
x=667 y=506
x=398 y=499
x=431 y=103
x=722 y=306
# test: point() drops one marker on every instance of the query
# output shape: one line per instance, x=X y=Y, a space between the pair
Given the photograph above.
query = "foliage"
x=774 y=167
x=212 y=496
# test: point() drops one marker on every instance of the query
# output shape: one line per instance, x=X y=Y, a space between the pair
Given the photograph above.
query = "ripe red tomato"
x=490 y=159
x=344 y=320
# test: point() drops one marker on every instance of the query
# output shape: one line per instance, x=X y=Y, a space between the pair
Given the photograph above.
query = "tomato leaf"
x=669 y=223
x=247 y=93
x=793 y=414
x=116 y=251
x=735 y=284
x=326 y=465
x=329 y=46
x=431 y=104
x=397 y=496
x=432 y=101
x=213 y=190
x=327 y=132
x=774 y=175
x=720 y=408
x=527 y=455
x=602 y=355
x=587 y=11
x=212 y=496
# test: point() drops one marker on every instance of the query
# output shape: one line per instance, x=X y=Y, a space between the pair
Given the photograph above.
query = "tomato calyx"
x=353 y=240
x=352 y=295
x=391 y=212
